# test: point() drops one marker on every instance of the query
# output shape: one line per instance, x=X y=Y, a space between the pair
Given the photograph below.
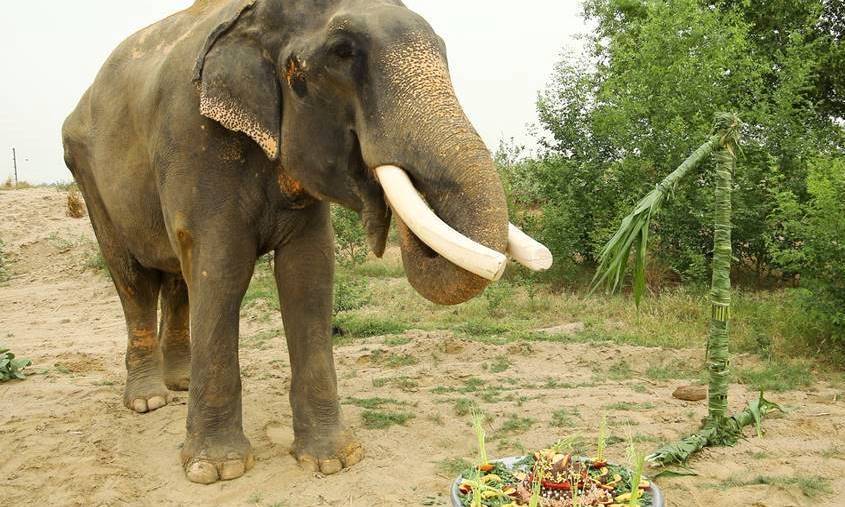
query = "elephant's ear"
x=238 y=85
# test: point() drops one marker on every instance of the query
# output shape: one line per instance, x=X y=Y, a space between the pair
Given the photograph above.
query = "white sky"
x=501 y=53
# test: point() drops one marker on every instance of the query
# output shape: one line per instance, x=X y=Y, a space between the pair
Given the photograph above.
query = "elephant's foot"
x=219 y=458
x=177 y=371
x=327 y=455
x=144 y=391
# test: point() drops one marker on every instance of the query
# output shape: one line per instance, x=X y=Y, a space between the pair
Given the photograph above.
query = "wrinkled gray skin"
x=222 y=133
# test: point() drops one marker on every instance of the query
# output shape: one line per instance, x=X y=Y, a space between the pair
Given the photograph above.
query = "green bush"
x=350 y=237
x=810 y=241
x=349 y=294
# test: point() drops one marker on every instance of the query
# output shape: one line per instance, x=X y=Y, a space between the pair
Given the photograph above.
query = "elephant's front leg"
x=217 y=270
x=304 y=274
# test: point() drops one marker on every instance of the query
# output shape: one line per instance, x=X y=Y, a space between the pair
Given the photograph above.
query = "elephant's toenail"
x=201 y=472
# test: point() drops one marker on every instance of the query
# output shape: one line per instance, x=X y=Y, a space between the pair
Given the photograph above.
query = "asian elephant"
x=222 y=133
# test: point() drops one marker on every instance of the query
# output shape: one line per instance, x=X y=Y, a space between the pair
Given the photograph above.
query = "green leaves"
x=11 y=368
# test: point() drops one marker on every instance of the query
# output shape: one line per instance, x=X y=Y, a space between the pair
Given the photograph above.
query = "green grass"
x=776 y=377
x=373 y=403
x=452 y=467
x=464 y=407
x=396 y=341
x=811 y=486
x=382 y=419
x=400 y=360
x=500 y=364
x=365 y=326
x=627 y=405
x=564 y=417
x=515 y=425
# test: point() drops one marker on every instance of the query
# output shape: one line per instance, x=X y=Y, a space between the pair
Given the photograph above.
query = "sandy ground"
x=68 y=440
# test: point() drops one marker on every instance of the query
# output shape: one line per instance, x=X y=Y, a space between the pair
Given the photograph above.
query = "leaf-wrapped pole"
x=633 y=232
x=718 y=355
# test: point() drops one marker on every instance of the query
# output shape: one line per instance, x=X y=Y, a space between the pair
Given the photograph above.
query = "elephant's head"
x=333 y=90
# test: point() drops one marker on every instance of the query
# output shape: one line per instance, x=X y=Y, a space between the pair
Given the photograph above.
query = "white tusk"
x=434 y=232
x=527 y=251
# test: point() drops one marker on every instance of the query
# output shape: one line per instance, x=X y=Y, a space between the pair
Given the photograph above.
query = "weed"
x=464 y=406
x=563 y=418
x=11 y=368
x=812 y=486
x=514 y=424
x=396 y=341
x=453 y=467
x=403 y=383
x=255 y=498
x=369 y=326
x=620 y=370
x=436 y=419
x=399 y=360
x=372 y=403
x=500 y=364
x=627 y=405
x=380 y=419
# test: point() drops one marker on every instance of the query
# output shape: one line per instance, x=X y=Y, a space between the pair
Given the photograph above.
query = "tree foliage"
x=642 y=96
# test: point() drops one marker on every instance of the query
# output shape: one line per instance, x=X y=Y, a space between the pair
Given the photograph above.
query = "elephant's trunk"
x=420 y=127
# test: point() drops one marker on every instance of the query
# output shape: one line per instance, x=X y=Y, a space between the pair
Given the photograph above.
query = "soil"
x=68 y=440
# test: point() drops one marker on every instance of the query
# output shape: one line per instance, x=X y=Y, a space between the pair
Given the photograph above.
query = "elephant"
x=225 y=132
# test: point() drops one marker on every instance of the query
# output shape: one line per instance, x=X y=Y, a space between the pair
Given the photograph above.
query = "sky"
x=501 y=53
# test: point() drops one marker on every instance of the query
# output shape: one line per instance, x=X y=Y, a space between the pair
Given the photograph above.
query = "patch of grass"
x=500 y=364
x=674 y=371
x=776 y=377
x=259 y=341
x=812 y=486
x=563 y=417
x=403 y=383
x=96 y=262
x=514 y=425
x=464 y=407
x=381 y=419
x=374 y=268
x=400 y=360
x=372 y=403
x=620 y=370
x=396 y=341
x=363 y=327
x=452 y=467
x=627 y=405
x=482 y=328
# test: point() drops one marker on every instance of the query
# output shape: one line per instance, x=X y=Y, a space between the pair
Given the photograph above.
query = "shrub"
x=349 y=294
x=10 y=367
x=350 y=237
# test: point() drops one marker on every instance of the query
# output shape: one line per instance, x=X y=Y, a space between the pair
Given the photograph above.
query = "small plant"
x=601 y=444
x=350 y=294
x=380 y=419
x=11 y=368
x=75 y=203
x=350 y=237
x=496 y=294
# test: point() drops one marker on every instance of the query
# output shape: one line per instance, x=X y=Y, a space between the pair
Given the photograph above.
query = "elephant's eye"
x=343 y=50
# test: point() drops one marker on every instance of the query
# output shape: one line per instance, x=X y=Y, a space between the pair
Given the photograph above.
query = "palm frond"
x=635 y=227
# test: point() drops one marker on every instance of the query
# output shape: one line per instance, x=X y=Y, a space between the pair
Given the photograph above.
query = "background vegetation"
x=617 y=118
